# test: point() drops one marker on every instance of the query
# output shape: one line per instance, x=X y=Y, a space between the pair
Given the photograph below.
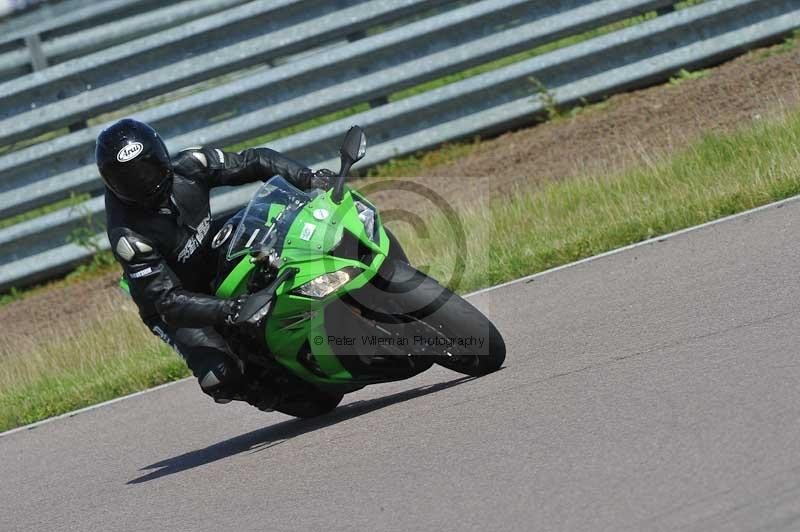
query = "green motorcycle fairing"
x=309 y=230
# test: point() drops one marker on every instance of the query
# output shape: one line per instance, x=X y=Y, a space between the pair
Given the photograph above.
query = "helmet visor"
x=144 y=183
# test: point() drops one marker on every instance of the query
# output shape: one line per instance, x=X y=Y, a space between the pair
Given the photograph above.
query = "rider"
x=160 y=228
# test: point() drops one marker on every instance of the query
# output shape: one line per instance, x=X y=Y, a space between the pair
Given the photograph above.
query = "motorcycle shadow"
x=264 y=438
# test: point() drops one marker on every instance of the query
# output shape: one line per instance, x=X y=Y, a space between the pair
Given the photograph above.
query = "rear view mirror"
x=353 y=149
x=354 y=146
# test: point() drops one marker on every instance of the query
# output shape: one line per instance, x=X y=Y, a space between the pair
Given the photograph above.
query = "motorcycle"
x=334 y=305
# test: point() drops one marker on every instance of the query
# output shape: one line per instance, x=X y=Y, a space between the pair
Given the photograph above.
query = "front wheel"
x=462 y=320
x=436 y=321
x=469 y=342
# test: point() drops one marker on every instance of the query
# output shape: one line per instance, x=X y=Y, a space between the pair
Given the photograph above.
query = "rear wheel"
x=312 y=404
x=274 y=389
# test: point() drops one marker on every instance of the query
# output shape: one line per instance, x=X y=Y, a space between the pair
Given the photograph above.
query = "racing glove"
x=323 y=178
x=231 y=310
x=247 y=313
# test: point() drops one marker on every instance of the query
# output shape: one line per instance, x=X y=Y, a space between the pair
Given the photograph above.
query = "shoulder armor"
x=196 y=154
x=200 y=156
x=130 y=245
x=125 y=249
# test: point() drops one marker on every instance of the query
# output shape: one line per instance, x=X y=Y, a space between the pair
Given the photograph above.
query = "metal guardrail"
x=61 y=17
x=100 y=36
x=248 y=35
x=367 y=70
x=631 y=57
x=86 y=74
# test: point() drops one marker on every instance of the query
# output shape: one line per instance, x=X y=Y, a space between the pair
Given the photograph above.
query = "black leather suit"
x=167 y=258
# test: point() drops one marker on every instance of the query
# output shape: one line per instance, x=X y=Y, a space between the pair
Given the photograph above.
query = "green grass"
x=95 y=267
x=560 y=222
x=524 y=232
x=63 y=369
x=415 y=164
x=788 y=45
x=12 y=295
x=684 y=75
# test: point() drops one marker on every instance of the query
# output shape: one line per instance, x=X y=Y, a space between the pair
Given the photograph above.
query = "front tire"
x=437 y=317
x=458 y=319
x=462 y=320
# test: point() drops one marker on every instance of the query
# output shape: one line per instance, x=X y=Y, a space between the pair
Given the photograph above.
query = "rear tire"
x=311 y=405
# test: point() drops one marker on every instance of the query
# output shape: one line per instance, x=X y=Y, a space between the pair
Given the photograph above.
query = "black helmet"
x=134 y=163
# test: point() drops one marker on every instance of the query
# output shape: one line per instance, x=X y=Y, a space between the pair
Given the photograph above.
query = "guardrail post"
x=356 y=36
x=77 y=126
x=377 y=102
x=665 y=10
x=34 y=45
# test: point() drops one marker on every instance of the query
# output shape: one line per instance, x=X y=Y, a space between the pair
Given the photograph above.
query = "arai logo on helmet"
x=129 y=152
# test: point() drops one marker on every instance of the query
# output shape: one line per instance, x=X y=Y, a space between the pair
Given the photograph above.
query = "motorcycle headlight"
x=328 y=283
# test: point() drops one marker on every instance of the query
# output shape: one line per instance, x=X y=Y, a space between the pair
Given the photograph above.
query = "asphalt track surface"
x=653 y=389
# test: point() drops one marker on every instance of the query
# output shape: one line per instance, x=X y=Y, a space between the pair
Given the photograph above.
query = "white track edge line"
x=647 y=242
x=92 y=407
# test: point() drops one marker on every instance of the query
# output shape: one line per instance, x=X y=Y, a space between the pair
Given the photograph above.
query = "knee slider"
x=219 y=377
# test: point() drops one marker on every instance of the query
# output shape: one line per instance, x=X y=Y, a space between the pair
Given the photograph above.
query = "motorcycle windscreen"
x=267 y=217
